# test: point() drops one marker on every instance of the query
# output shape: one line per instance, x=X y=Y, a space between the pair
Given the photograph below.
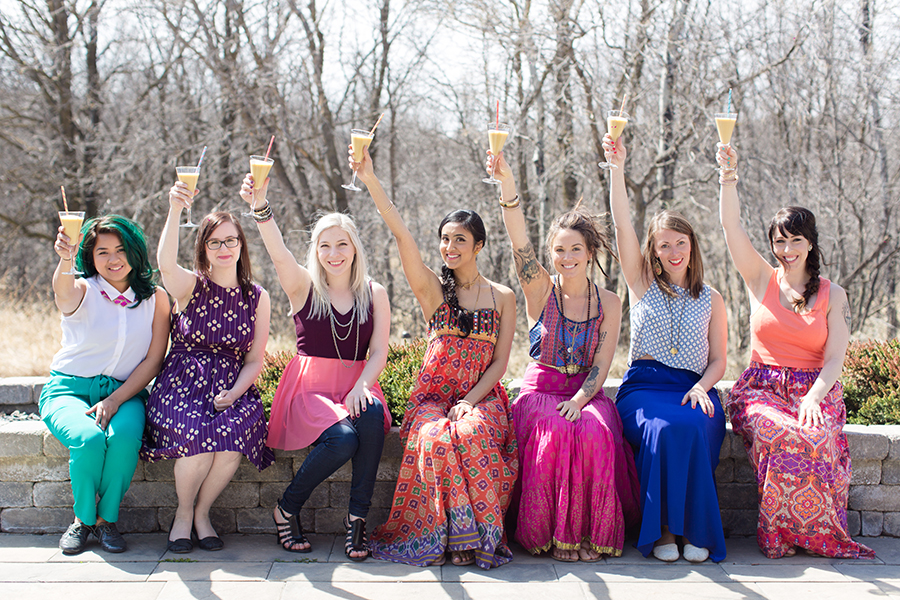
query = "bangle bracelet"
x=262 y=209
x=65 y=259
x=263 y=215
x=511 y=204
x=732 y=182
x=387 y=210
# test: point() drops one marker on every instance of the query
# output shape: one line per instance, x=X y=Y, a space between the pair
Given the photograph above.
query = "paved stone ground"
x=253 y=567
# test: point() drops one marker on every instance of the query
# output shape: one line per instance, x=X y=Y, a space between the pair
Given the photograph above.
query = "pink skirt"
x=310 y=399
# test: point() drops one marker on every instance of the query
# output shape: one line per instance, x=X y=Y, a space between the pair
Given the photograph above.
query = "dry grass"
x=31 y=337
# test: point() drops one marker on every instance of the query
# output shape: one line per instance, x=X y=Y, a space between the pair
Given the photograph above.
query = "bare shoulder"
x=609 y=298
x=379 y=294
x=507 y=297
x=162 y=298
x=837 y=297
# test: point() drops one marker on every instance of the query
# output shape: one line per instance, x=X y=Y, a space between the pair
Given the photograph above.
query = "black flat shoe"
x=75 y=538
x=210 y=543
x=179 y=546
x=110 y=538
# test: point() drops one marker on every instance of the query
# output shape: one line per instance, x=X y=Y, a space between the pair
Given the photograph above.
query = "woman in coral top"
x=788 y=404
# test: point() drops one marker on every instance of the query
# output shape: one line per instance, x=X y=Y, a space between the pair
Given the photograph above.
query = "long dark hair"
x=472 y=222
x=796 y=220
x=201 y=262
x=142 y=278
x=673 y=221
x=592 y=229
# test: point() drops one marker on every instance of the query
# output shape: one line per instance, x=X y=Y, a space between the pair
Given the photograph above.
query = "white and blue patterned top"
x=658 y=325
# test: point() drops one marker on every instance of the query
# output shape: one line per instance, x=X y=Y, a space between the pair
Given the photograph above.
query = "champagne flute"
x=189 y=177
x=616 y=120
x=725 y=124
x=259 y=169
x=360 y=140
x=72 y=222
x=497 y=134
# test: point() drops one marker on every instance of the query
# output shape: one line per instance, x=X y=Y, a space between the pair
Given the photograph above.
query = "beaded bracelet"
x=511 y=204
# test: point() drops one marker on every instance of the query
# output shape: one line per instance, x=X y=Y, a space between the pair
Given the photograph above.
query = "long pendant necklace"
x=335 y=322
x=335 y=337
x=571 y=367
x=675 y=335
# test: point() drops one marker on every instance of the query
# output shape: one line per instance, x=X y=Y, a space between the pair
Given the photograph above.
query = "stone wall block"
x=872 y=522
x=342 y=474
x=392 y=446
x=52 y=446
x=388 y=470
x=739 y=522
x=259 y=520
x=21 y=438
x=743 y=471
x=238 y=495
x=854 y=522
x=866 y=472
x=725 y=471
x=163 y=470
x=301 y=454
x=339 y=494
x=891 y=524
x=880 y=498
x=867 y=443
x=16 y=494
x=34 y=468
x=280 y=470
x=738 y=496
x=725 y=450
x=150 y=494
x=383 y=495
x=35 y=520
x=270 y=493
x=138 y=471
x=330 y=520
x=738 y=451
x=19 y=390
x=890 y=472
x=222 y=520
x=137 y=520
x=54 y=494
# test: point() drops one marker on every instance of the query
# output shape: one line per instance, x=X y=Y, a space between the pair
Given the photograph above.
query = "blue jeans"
x=360 y=440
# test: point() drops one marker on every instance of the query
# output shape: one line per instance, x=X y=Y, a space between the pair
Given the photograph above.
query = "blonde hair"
x=673 y=221
x=359 y=275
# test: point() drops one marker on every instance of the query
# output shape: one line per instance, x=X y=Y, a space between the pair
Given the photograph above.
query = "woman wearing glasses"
x=204 y=410
x=459 y=462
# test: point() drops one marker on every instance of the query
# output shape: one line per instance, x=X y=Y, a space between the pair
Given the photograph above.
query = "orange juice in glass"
x=725 y=125
x=259 y=170
x=189 y=177
x=616 y=120
x=72 y=222
x=360 y=139
x=497 y=134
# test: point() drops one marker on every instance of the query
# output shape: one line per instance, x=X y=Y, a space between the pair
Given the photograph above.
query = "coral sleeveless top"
x=783 y=338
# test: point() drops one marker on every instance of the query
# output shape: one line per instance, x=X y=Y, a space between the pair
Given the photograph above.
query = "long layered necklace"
x=675 y=333
x=571 y=367
x=335 y=336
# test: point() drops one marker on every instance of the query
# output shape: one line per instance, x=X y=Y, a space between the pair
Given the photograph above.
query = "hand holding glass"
x=259 y=170
x=189 y=177
x=497 y=134
x=360 y=140
x=72 y=222
x=616 y=120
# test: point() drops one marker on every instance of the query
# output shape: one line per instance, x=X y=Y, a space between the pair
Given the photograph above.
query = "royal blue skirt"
x=676 y=454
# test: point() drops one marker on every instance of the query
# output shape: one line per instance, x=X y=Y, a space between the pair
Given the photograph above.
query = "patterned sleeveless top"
x=553 y=334
x=674 y=331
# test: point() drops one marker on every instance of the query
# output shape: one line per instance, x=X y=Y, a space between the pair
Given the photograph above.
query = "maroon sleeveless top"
x=316 y=338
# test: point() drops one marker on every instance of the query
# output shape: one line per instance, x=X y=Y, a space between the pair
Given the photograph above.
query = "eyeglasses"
x=231 y=242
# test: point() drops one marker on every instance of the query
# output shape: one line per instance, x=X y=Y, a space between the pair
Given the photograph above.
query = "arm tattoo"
x=846 y=312
x=589 y=387
x=526 y=264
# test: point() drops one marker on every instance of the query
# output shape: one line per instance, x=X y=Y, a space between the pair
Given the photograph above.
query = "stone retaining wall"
x=36 y=497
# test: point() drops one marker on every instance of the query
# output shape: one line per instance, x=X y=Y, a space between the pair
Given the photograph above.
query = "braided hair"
x=796 y=220
x=591 y=227
x=472 y=222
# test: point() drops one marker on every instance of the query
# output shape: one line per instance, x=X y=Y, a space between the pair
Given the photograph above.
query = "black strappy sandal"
x=357 y=540
x=291 y=533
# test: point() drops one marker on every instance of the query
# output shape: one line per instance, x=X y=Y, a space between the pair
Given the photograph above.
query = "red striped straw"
x=269 y=149
x=202 y=154
x=65 y=204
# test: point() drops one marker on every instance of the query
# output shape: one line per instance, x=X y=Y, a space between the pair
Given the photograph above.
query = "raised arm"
x=810 y=413
x=606 y=349
x=533 y=277
x=500 y=360
x=627 y=243
x=360 y=396
x=754 y=269
x=178 y=281
x=253 y=360
x=424 y=282
x=293 y=277
x=68 y=292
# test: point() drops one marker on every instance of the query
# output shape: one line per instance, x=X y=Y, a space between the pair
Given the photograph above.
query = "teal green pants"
x=101 y=463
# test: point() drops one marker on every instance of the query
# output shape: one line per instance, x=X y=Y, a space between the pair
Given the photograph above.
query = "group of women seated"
x=564 y=466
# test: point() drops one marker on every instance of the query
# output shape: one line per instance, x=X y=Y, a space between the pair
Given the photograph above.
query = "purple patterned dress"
x=209 y=340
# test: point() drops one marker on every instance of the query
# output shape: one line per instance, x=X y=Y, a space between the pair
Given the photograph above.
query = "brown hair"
x=796 y=220
x=201 y=263
x=592 y=229
x=673 y=221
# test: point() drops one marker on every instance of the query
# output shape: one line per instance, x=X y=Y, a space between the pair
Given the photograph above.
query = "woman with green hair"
x=115 y=324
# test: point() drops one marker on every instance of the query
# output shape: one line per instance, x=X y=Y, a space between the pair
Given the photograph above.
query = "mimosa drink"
x=725 y=124
x=259 y=169
x=72 y=222
x=616 y=120
x=188 y=176
x=360 y=140
x=497 y=134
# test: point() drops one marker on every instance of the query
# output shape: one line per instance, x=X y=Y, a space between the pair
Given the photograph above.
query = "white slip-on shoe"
x=694 y=554
x=666 y=552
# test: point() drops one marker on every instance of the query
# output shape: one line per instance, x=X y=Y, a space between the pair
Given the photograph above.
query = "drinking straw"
x=498 y=114
x=65 y=204
x=729 y=101
x=269 y=149
x=372 y=133
x=202 y=154
x=622 y=108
